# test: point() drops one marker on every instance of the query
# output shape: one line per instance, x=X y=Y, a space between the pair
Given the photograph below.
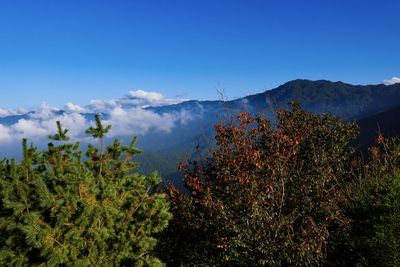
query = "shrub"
x=374 y=210
x=267 y=195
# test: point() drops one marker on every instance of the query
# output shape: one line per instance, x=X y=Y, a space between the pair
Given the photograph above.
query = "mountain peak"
x=307 y=82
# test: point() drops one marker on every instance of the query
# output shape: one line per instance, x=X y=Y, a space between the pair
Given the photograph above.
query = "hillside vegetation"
x=285 y=192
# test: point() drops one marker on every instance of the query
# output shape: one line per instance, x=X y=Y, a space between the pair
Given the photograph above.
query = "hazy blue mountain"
x=351 y=102
x=342 y=99
x=163 y=150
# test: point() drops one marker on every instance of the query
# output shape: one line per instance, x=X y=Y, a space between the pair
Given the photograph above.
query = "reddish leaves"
x=267 y=195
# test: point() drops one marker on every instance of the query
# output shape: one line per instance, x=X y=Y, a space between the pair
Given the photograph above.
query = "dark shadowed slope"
x=387 y=123
x=342 y=99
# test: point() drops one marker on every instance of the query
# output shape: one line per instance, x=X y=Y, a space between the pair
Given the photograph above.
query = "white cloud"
x=39 y=128
x=102 y=106
x=40 y=123
x=43 y=112
x=145 y=99
x=4 y=112
x=138 y=121
x=5 y=135
x=28 y=129
x=150 y=97
x=127 y=115
x=133 y=99
x=392 y=81
x=72 y=108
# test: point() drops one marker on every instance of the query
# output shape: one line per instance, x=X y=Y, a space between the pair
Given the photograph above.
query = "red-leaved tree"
x=266 y=195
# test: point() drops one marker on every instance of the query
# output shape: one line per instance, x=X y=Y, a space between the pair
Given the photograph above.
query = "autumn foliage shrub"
x=266 y=195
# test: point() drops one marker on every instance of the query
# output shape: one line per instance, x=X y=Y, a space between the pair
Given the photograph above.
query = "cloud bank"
x=127 y=115
x=5 y=112
x=134 y=99
x=392 y=81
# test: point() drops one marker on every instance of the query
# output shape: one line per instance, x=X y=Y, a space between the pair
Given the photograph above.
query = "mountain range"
x=372 y=106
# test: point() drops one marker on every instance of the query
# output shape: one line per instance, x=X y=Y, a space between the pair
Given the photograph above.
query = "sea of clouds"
x=127 y=115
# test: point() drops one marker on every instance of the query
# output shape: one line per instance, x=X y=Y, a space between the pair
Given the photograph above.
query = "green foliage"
x=268 y=195
x=374 y=210
x=58 y=209
x=61 y=134
x=99 y=131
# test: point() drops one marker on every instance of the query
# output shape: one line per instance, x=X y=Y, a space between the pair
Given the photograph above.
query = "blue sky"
x=74 y=51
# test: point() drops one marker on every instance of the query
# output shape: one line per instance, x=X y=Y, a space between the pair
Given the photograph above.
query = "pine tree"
x=60 y=208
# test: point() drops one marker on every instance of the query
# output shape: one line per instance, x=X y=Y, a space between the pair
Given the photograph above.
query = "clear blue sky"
x=59 y=51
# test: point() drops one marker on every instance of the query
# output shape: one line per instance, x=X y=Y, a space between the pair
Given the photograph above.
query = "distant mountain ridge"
x=351 y=102
x=342 y=99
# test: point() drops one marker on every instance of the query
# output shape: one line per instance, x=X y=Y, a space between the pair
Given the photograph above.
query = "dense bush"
x=59 y=207
x=374 y=211
x=267 y=195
